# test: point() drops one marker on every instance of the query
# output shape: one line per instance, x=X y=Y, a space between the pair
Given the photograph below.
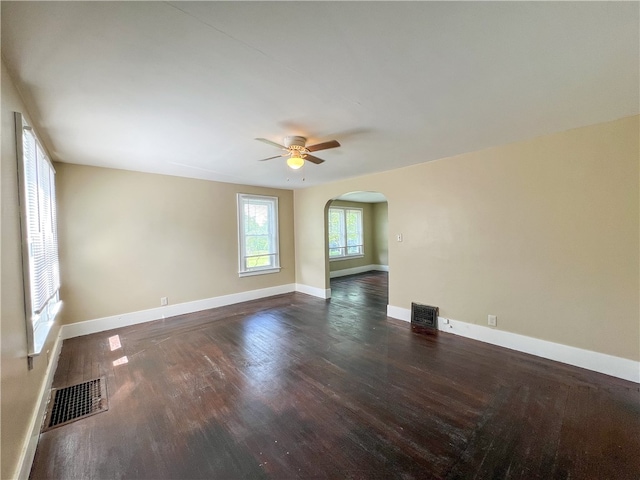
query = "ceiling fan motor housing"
x=295 y=142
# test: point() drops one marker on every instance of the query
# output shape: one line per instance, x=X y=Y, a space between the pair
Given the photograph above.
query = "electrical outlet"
x=164 y=301
x=492 y=321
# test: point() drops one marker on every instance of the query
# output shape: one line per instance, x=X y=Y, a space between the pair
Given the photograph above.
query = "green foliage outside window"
x=257 y=236
x=345 y=232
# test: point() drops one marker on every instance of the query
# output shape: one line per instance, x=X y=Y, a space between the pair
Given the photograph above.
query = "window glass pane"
x=354 y=235
x=258 y=235
x=40 y=244
x=335 y=228
x=31 y=183
x=258 y=244
x=52 y=245
x=256 y=219
x=265 y=260
x=345 y=232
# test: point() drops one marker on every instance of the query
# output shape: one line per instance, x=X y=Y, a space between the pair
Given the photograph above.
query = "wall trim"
x=352 y=271
x=598 y=362
x=116 y=321
x=399 y=313
x=28 y=452
x=315 y=291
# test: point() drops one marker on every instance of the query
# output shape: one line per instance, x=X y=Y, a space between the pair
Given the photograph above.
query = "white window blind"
x=258 y=234
x=345 y=232
x=39 y=236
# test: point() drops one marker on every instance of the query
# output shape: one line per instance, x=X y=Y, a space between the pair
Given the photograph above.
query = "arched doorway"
x=357 y=240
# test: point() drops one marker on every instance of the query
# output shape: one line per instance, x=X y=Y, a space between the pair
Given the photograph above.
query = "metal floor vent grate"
x=72 y=403
x=424 y=318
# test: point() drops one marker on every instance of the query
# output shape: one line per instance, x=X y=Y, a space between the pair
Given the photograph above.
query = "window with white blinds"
x=39 y=236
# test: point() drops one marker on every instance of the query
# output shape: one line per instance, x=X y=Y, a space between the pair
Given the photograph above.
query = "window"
x=258 y=234
x=39 y=236
x=345 y=232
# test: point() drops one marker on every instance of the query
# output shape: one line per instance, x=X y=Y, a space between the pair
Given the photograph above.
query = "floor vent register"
x=424 y=318
x=72 y=403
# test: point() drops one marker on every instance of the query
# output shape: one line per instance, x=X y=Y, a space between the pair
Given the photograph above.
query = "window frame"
x=344 y=246
x=39 y=318
x=274 y=267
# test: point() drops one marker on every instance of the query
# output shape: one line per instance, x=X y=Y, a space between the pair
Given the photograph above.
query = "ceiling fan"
x=296 y=149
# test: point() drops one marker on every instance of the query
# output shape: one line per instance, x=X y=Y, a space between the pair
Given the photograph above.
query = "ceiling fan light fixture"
x=297 y=151
x=295 y=161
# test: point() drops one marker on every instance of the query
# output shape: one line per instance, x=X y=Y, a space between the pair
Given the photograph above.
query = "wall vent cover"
x=424 y=318
x=72 y=403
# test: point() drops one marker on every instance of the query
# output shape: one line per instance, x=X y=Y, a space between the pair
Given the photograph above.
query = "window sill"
x=264 y=271
x=346 y=257
x=41 y=333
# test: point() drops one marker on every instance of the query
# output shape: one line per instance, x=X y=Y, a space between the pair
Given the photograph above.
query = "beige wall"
x=127 y=239
x=381 y=233
x=541 y=233
x=20 y=387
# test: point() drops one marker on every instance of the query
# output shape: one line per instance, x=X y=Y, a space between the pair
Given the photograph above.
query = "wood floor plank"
x=294 y=386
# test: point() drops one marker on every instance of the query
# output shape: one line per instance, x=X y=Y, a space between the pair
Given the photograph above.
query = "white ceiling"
x=184 y=88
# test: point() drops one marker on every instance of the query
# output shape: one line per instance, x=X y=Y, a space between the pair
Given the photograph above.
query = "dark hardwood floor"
x=298 y=387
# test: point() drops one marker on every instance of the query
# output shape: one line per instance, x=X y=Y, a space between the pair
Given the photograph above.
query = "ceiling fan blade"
x=313 y=159
x=274 y=144
x=323 y=146
x=270 y=158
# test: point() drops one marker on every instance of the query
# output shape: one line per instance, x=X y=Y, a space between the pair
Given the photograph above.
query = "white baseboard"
x=596 y=361
x=352 y=271
x=116 y=321
x=35 y=423
x=315 y=291
x=399 y=313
